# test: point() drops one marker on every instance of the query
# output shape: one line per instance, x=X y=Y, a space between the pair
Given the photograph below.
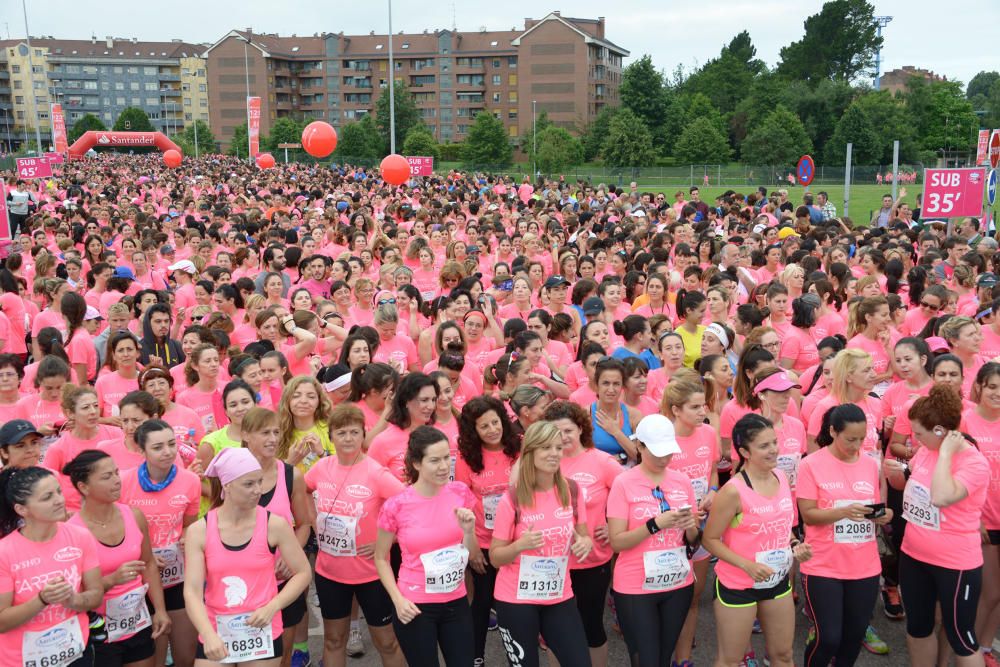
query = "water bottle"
x=187 y=449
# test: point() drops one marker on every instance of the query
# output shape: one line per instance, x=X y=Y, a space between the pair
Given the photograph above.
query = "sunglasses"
x=382 y=302
x=661 y=499
x=929 y=306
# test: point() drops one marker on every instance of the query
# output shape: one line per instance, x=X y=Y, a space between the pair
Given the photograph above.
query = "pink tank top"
x=242 y=580
x=763 y=526
x=280 y=503
x=112 y=556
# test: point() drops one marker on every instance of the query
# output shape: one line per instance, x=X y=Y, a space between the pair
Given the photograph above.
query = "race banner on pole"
x=253 y=124
x=4 y=223
x=59 y=141
x=953 y=193
x=982 y=147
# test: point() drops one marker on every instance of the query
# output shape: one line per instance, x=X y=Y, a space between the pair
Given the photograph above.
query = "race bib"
x=779 y=560
x=917 y=507
x=700 y=489
x=337 y=534
x=172 y=572
x=490 y=504
x=541 y=577
x=881 y=388
x=451 y=467
x=789 y=464
x=444 y=569
x=57 y=646
x=848 y=531
x=665 y=570
x=244 y=643
x=127 y=614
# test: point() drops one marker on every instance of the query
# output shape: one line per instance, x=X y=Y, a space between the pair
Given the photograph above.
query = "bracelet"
x=42 y=600
x=713 y=488
x=652 y=527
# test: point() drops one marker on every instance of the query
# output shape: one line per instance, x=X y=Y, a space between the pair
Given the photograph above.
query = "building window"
x=187 y=117
x=512 y=114
x=496 y=79
x=133 y=70
x=202 y=88
x=135 y=101
x=119 y=85
x=187 y=101
x=16 y=69
x=19 y=99
x=90 y=85
x=496 y=62
x=496 y=97
x=512 y=97
x=107 y=116
x=512 y=131
x=134 y=85
x=152 y=101
x=149 y=71
x=201 y=73
x=17 y=85
x=203 y=103
x=151 y=85
x=120 y=101
x=186 y=87
x=512 y=62
x=512 y=79
x=118 y=69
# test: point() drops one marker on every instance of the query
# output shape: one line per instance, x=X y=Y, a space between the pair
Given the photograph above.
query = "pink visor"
x=775 y=382
x=938 y=344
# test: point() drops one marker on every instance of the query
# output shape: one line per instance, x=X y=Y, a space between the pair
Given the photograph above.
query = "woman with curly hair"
x=303 y=414
x=487 y=449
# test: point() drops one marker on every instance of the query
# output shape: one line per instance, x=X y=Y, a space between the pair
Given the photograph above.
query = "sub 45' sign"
x=953 y=193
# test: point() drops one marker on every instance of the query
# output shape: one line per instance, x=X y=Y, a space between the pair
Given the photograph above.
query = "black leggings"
x=652 y=622
x=444 y=624
x=590 y=588
x=559 y=625
x=924 y=586
x=841 y=609
x=482 y=602
x=896 y=530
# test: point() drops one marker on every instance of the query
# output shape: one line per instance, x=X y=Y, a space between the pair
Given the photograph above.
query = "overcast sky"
x=956 y=38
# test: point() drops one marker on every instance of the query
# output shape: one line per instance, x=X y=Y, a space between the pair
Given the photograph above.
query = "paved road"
x=704 y=654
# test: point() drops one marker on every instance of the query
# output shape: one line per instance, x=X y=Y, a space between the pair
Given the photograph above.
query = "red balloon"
x=172 y=158
x=319 y=139
x=395 y=169
x=265 y=160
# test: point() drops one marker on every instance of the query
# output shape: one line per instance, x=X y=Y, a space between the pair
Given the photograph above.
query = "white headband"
x=716 y=330
x=337 y=383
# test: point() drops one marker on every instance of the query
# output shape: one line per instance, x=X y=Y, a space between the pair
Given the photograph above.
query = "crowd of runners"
x=473 y=402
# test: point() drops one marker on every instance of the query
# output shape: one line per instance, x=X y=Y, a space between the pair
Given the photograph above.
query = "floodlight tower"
x=880 y=22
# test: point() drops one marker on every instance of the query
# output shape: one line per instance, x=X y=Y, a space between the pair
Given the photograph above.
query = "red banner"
x=982 y=146
x=55 y=158
x=253 y=124
x=953 y=193
x=33 y=167
x=59 y=130
x=421 y=166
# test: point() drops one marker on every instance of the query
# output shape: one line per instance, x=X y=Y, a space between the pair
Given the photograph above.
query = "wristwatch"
x=652 y=526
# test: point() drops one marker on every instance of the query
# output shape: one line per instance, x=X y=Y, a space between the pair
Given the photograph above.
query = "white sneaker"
x=355 y=647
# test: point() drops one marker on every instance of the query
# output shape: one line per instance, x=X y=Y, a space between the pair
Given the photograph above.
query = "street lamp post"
x=392 y=90
x=246 y=67
x=31 y=66
x=533 y=148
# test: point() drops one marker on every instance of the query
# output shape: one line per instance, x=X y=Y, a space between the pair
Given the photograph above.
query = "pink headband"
x=232 y=463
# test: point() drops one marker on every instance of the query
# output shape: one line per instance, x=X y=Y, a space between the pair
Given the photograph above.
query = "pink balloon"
x=395 y=169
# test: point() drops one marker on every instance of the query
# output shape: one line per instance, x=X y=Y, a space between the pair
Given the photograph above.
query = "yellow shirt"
x=692 y=344
x=321 y=429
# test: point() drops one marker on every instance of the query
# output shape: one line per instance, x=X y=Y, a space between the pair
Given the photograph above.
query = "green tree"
x=854 y=127
x=359 y=141
x=285 y=130
x=487 y=143
x=407 y=115
x=597 y=132
x=643 y=92
x=133 y=119
x=238 y=144
x=764 y=95
x=85 y=123
x=943 y=117
x=186 y=139
x=819 y=107
x=840 y=42
x=991 y=106
x=726 y=80
x=629 y=142
x=556 y=150
x=700 y=106
x=891 y=121
x=542 y=122
x=981 y=84
x=674 y=122
x=420 y=142
x=702 y=143
x=778 y=141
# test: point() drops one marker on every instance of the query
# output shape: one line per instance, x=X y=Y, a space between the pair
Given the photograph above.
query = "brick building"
x=100 y=76
x=895 y=80
x=566 y=65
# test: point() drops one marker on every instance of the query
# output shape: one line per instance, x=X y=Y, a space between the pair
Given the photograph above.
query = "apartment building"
x=566 y=66
x=167 y=80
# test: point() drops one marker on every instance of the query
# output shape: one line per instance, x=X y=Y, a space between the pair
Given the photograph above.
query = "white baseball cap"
x=657 y=433
x=185 y=265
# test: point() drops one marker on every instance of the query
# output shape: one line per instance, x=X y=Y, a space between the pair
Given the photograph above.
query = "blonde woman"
x=303 y=415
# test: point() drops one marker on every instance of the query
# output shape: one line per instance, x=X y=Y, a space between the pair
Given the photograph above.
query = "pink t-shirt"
x=845 y=549
x=13 y=308
x=207 y=405
x=594 y=472
x=111 y=389
x=631 y=499
x=945 y=536
x=576 y=376
x=830 y=324
x=164 y=510
x=697 y=458
x=990 y=346
x=556 y=524
x=65 y=450
x=799 y=346
x=399 y=352
x=899 y=397
x=25 y=568
x=348 y=500
x=48 y=318
x=988 y=441
x=880 y=359
x=388 y=448
x=428 y=534
x=488 y=486
x=183 y=419
x=81 y=350
x=871 y=406
x=39 y=412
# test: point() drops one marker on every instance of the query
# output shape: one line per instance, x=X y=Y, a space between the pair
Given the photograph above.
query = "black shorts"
x=199 y=653
x=335 y=599
x=994 y=536
x=173 y=597
x=293 y=614
x=748 y=597
x=139 y=646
